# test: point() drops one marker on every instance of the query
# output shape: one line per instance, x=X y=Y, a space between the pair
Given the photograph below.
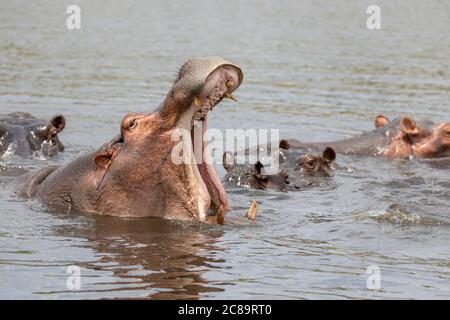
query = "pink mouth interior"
x=211 y=179
x=215 y=89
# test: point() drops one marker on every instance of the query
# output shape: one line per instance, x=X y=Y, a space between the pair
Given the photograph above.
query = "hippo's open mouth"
x=219 y=84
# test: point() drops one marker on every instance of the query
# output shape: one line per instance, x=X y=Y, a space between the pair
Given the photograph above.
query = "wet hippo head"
x=151 y=166
x=24 y=135
x=434 y=145
x=423 y=139
x=403 y=133
x=253 y=176
x=311 y=164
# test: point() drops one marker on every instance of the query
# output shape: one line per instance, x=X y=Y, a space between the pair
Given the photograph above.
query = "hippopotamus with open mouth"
x=399 y=138
x=24 y=135
x=297 y=169
x=135 y=174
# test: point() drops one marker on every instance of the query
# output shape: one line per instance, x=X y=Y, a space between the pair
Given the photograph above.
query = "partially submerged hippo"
x=135 y=174
x=252 y=175
x=394 y=139
x=296 y=170
x=427 y=138
x=24 y=135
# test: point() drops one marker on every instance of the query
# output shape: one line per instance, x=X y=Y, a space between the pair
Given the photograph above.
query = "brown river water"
x=311 y=69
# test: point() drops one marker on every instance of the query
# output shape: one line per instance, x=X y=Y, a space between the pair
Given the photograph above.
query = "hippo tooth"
x=229 y=84
x=198 y=101
x=220 y=215
x=229 y=96
x=251 y=212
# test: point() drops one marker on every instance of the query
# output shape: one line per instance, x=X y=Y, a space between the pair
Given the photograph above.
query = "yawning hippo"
x=24 y=135
x=135 y=174
x=394 y=139
x=296 y=169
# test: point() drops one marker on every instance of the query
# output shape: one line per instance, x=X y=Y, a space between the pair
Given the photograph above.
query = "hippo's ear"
x=262 y=180
x=104 y=158
x=329 y=154
x=258 y=167
x=284 y=144
x=381 y=121
x=58 y=121
x=227 y=160
x=284 y=174
x=409 y=126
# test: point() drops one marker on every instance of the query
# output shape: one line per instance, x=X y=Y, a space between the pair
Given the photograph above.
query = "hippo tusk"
x=220 y=215
x=198 y=101
x=229 y=96
x=229 y=84
x=251 y=213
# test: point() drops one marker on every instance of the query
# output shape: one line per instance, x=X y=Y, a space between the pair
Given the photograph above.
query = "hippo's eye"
x=131 y=124
x=309 y=162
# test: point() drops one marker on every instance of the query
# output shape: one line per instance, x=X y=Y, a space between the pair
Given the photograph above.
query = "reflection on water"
x=162 y=259
x=312 y=70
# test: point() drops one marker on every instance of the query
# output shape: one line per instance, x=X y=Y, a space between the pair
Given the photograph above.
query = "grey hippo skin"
x=24 y=135
x=297 y=169
x=148 y=169
x=399 y=138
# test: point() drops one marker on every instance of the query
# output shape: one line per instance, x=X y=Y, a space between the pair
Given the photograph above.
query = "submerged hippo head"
x=253 y=176
x=424 y=139
x=24 y=135
x=150 y=170
x=402 y=134
x=409 y=130
x=312 y=164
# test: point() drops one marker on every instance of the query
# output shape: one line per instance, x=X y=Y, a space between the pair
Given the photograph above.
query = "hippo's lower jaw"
x=210 y=195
